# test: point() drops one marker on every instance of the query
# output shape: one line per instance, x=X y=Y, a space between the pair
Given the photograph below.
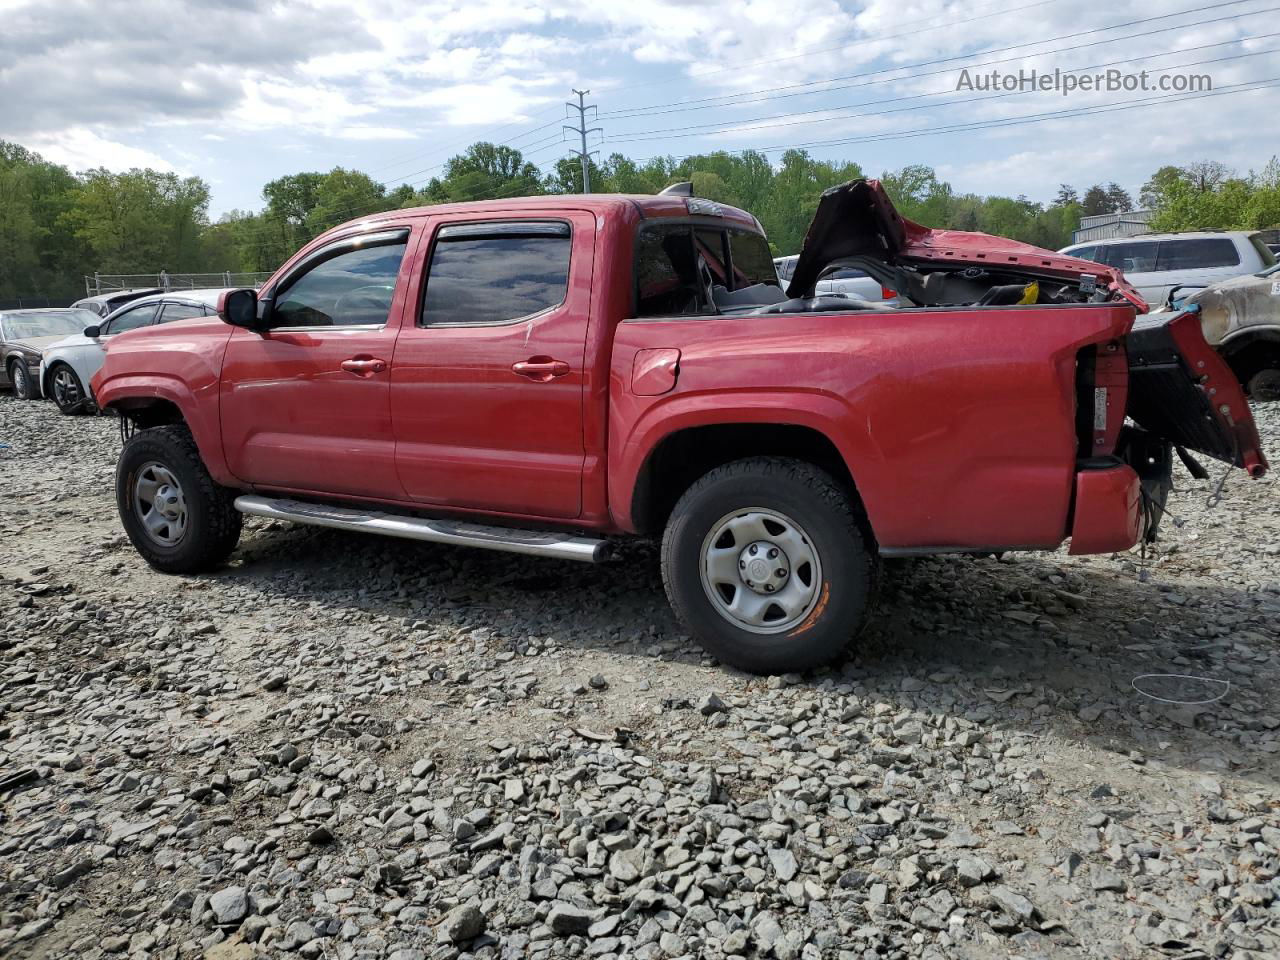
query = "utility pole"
x=582 y=131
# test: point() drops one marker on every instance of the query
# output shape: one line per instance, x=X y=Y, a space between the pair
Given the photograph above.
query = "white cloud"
x=82 y=149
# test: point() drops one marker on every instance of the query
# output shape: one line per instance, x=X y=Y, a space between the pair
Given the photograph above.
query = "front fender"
x=199 y=408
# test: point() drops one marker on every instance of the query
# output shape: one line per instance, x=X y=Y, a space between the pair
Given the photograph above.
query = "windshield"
x=47 y=323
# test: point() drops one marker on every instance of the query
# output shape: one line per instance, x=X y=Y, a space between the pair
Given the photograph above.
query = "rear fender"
x=126 y=393
x=819 y=412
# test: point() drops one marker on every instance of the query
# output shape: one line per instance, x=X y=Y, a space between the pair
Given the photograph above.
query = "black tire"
x=20 y=377
x=211 y=523
x=834 y=527
x=71 y=400
x=1264 y=386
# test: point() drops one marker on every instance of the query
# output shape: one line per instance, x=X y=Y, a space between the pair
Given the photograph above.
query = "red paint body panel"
x=957 y=425
x=1108 y=511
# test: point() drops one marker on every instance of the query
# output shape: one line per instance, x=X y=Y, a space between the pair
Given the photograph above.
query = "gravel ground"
x=354 y=747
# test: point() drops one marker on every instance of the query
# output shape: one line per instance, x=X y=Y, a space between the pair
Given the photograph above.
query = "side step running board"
x=537 y=543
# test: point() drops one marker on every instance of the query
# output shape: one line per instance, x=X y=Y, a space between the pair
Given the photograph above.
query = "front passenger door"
x=305 y=404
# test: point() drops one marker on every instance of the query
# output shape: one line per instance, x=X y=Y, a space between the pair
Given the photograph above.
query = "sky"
x=242 y=91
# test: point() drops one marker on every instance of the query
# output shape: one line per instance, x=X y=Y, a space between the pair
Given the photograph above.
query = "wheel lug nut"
x=773 y=553
x=768 y=588
x=780 y=572
x=752 y=550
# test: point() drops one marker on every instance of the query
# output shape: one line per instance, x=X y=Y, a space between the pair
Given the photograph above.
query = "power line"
x=1071 y=113
x=685 y=105
x=840 y=114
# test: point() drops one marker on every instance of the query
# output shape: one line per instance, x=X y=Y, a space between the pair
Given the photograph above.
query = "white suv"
x=1157 y=262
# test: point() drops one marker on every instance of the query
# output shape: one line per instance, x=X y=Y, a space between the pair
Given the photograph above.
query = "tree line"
x=56 y=226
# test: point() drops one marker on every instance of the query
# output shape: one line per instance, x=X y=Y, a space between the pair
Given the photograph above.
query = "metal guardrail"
x=97 y=284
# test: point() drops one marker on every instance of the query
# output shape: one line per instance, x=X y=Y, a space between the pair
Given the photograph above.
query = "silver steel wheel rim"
x=19 y=379
x=760 y=570
x=159 y=504
x=65 y=391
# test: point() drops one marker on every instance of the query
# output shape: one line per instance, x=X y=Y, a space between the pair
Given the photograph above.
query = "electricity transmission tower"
x=581 y=130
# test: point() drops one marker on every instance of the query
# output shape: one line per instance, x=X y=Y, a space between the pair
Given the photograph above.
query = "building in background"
x=1106 y=225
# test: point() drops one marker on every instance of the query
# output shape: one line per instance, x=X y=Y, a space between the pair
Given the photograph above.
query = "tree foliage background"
x=56 y=226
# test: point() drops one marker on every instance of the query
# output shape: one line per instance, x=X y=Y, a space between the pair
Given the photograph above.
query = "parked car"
x=105 y=304
x=538 y=375
x=24 y=335
x=1158 y=261
x=68 y=365
x=847 y=281
x=1240 y=318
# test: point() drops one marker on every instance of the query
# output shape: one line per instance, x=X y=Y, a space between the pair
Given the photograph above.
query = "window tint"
x=667 y=272
x=1137 y=256
x=752 y=260
x=181 y=311
x=1197 y=254
x=133 y=319
x=353 y=288
x=845 y=273
x=1085 y=253
x=477 y=278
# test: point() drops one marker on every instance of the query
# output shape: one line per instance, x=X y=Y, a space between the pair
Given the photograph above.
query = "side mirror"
x=239 y=308
x=93 y=332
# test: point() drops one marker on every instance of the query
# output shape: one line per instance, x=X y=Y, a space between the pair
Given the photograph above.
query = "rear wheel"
x=1264 y=386
x=770 y=565
x=20 y=377
x=67 y=390
x=176 y=516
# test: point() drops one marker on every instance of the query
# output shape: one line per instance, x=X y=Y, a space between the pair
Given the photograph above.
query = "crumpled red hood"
x=857 y=219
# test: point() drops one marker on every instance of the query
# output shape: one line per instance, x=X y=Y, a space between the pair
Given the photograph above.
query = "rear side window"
x=752 y=260
x=496 y=272
x=181 y=311
x=354 y=288
x=1138 y=256
x=141 y=316
x=1197 y=253
x=1084 y=253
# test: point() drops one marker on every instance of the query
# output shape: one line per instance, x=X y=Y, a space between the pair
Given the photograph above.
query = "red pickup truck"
x=542 y=374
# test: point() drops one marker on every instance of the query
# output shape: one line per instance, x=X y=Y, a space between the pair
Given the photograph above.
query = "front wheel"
x=176 y=516
x=67 y=390
x=770 y=564
x=20 y=377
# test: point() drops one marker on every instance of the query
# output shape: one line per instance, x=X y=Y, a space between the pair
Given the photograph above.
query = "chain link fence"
x=99 y=283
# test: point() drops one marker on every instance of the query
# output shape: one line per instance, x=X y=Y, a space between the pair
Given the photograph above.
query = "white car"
x=841 y=280
x=1157 y=262
x=67 y=366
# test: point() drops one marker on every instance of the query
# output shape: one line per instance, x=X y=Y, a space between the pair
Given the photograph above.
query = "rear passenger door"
x=486 y=383
x=1198 y=261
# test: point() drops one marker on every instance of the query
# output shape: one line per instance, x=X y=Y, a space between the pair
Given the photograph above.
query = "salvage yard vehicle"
x=538 y=375
x=1156 y=262
x=24 y=335
x=105 y=304
x=848 y=281
x=69 y=364
x=1240 y=318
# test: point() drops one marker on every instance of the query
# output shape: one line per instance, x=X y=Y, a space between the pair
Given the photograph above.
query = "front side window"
x=1084 y=253
x=142 y=316
x=1197 y=254
x=484 y=273
x=350 y=289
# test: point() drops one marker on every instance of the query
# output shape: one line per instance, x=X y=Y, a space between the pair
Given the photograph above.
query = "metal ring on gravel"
x=159 y=504
x=65 y=390
x=1224 y=684
x=760 y=570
